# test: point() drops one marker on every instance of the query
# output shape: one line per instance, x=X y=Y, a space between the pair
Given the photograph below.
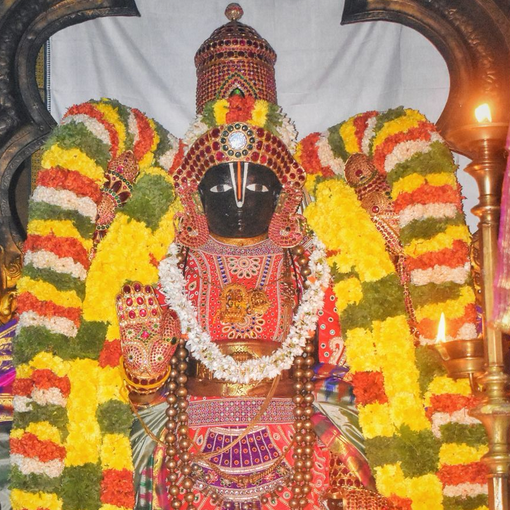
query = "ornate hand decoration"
x=148 y=337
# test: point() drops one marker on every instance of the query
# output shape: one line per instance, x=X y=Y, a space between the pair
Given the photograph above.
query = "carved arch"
x=474 y=39
x=24 y=121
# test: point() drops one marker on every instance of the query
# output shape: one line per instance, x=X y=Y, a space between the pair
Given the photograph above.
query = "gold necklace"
x=240 y=241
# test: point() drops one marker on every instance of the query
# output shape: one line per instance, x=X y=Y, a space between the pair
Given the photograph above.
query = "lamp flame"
x=483 y=113
x=441 y=330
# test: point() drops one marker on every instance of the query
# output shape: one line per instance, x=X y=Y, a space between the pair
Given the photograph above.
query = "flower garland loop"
x=225 y=367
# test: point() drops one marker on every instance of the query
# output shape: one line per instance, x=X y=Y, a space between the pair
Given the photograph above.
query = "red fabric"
x=329 y=336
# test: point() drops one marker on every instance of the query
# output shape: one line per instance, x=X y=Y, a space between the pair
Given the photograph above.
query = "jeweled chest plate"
x=241 y=292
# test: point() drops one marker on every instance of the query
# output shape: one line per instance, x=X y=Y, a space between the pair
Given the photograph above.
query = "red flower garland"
x=369 y=388
x=117 y=488
x=240 y=108
x=450 y=257
x=44 y=379
x=428 y=194
x=22 y=387
x=145 y=135
x=61 y=178
x=476 y=472
x=29 y=445
x=309 y=157
x=29 y=303
x=401 y=503
x=360 y=125
x=421 y=132
x=177 y=158
x=91 y=111
x=60 y=246
x=428 y=327
x=110 y=354
x=449 y=403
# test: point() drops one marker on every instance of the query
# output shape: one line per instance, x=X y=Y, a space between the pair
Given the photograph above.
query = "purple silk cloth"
x=502 y=279
x=7 y=372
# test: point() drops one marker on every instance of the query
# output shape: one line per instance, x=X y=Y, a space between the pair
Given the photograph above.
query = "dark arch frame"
x=25 y=25
x=473 y=36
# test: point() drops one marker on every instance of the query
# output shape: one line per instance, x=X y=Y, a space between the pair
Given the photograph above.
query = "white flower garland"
x=225 y=367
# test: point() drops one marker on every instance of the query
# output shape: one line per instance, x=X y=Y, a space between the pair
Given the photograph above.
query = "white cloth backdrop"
x=325 y=72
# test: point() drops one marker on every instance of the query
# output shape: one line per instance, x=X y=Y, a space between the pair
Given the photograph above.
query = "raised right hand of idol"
x=148 y=336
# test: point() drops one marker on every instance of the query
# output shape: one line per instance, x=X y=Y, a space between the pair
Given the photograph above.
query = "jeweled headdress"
x=235 y=59
x=238 y=121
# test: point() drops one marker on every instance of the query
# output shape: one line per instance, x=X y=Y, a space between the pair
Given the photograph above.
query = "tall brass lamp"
x=482 y=360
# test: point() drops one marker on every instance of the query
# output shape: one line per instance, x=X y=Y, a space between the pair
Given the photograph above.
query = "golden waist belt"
x=203 y=383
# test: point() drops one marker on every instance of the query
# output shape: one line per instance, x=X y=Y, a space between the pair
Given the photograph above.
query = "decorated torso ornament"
x=247 y=293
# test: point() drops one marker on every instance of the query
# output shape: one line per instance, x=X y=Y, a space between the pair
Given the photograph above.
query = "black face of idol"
x=239 y=199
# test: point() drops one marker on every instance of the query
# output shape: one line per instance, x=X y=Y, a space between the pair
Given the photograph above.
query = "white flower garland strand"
x=206 y=351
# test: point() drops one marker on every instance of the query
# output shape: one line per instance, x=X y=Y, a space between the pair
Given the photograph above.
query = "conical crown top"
x=235 y=60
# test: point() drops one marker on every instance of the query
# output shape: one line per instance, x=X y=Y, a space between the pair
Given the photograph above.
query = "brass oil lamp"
x=484 y=141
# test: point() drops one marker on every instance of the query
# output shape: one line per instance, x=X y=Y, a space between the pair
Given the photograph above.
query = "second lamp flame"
x=483 y=113
x=441 y=329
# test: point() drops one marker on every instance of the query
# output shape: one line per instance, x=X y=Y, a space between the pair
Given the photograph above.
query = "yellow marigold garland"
x=390 y=350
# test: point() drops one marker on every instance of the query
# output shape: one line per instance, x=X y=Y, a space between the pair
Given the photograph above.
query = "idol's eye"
x=258 y=187
x=221 y=188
